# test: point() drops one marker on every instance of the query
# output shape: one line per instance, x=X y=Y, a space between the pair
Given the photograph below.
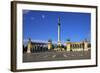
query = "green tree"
x=68 y=39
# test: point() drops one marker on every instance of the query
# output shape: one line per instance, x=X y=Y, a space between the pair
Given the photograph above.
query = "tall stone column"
x=85 y=46
x=68 y=46
x=49 y=44
x=59 y=31
x=29 y=46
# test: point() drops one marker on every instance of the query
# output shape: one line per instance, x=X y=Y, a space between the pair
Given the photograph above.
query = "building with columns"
x=78 y=46
x=36 y=46
x=70 y=46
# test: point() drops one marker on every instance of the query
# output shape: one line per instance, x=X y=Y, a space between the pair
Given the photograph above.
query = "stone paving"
x=56 y=56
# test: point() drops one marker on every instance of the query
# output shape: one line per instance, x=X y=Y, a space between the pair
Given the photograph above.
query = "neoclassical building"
x=36 y=46
x=78 y=46
x=70 y=46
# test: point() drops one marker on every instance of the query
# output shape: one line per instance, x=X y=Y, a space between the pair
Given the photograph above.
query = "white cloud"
x=43 y=16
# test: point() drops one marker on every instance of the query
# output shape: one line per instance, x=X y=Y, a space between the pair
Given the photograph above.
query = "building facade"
x=78 y=46
x=70 y=46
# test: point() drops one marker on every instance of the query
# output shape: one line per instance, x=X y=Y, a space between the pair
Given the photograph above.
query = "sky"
x=43 y=25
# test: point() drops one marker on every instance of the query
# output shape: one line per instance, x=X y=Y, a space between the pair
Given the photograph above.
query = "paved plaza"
x=56 y=56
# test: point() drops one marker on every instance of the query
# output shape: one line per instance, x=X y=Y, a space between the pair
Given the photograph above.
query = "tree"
x=53 y=46
x=50 y=40
x=68 y=39
x=24 y=49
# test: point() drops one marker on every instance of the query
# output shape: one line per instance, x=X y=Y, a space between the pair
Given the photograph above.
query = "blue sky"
x=43 y=25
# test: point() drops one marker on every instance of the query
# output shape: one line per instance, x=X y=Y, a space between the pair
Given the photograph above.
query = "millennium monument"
x=48 y=46
x=49 y=51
